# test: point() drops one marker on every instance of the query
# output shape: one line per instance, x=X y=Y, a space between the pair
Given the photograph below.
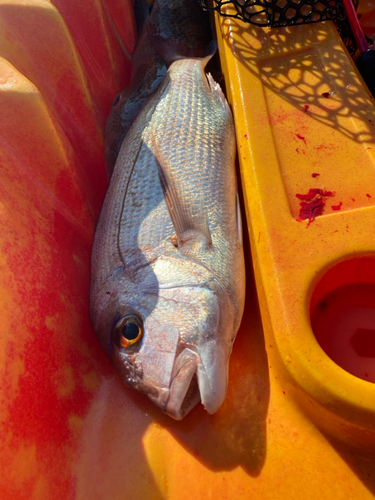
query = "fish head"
x=172 y=344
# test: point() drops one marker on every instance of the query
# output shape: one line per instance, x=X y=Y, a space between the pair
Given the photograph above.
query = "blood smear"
x=312 y=204
x=310 y=210
x=337 y=207
x=314 y=192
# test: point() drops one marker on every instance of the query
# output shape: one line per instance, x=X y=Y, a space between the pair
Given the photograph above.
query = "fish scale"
x=197 y=144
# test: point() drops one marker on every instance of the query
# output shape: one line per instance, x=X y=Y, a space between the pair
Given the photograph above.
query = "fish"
x=174 y=29
x=168 y=274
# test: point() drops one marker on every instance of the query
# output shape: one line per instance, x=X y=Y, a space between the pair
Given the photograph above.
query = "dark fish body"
x=179 y=28
x=141 y=13
x=167 y=287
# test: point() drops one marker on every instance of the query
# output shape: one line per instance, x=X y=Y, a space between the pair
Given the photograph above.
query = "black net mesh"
x=277 y=13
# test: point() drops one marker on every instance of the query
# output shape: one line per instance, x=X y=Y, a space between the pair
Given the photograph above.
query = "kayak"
x=296 y=422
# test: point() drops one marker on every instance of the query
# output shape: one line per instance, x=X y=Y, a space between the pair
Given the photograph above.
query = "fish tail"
x=141 y=13
x=171 y=50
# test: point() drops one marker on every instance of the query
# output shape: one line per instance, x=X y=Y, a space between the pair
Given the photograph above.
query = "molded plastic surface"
x=68 y=427
x=305 y=129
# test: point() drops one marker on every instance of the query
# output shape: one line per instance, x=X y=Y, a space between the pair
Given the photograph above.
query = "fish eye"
x=129 y=330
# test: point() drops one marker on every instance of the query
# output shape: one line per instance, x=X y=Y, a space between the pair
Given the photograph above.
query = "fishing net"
x=277 y=13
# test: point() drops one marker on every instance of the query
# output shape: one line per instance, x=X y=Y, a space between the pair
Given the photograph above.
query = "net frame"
x=278 y=13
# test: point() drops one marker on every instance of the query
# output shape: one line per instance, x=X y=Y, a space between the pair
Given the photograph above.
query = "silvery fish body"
x=168 y=278
x=175 y=28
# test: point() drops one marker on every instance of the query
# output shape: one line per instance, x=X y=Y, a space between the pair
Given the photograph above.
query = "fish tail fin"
x=171 y=50
x=141 y=13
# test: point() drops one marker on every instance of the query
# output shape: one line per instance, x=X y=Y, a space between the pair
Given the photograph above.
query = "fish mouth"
x=198 y=375
x=184 y=391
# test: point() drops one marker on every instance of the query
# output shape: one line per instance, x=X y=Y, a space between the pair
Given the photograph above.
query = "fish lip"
x=200 y=373
x=183 y=392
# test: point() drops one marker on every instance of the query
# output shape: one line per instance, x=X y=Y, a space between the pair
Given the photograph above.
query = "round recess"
x=342 y=314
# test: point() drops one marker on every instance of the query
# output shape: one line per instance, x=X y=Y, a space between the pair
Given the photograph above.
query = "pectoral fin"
x=187 y=211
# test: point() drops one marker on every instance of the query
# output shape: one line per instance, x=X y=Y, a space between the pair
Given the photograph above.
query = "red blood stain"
x=259 y=398
x=271 y=345
x=337 y=207
x=306 y=107
x=313 y=192
x=366 y=374
x=245 y=135
x=327 y=145
x=301 y=137
x=283 y=392
x=312 y=204
x=311 y=210
x=315 y=174
x=368 y=195
x=325 y=94
x=353 y=199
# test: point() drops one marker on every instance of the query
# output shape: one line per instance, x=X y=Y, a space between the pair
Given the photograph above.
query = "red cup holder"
x=342 y=314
